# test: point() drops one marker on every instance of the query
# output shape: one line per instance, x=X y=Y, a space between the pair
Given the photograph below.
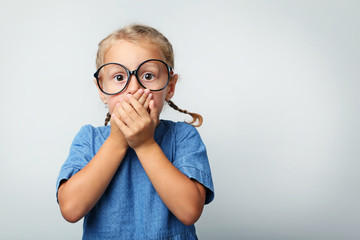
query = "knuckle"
x=125 y=117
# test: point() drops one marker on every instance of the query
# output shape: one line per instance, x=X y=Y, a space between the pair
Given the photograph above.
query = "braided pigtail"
x=107 y=119
x=195 y=116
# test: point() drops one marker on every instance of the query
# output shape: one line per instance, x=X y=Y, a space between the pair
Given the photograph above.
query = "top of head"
x=136 y=33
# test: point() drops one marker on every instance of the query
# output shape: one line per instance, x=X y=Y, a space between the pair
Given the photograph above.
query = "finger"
x=129 y=110
x=124 y=116
x=111 y=119
x=115 y=111
x=146 y=104
x=122 y=126
x=137 y=106
x=138 y=94
x=144 y=96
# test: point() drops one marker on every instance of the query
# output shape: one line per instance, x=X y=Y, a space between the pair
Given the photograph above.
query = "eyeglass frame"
x=129 y=73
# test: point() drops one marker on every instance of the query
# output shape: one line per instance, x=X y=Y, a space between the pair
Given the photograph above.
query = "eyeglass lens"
x=152 y=75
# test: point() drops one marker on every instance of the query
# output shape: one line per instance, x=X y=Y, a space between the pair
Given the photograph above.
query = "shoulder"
x=190 y=155
x=91 y=133
x=180 y=130
x=179 y=126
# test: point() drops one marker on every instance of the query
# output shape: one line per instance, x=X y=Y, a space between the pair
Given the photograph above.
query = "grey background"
x=276 y=81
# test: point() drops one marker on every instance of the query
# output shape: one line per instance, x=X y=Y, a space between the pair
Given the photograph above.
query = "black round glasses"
x=113 y=78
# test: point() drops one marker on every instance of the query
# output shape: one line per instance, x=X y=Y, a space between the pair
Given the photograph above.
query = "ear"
x=102 y=95
x=171 y=87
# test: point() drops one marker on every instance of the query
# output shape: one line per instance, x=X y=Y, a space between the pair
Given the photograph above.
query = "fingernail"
x=147 y=91
x=140 y=91
x=150 y=95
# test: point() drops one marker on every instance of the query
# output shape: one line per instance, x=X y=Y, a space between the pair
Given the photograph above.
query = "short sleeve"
x=191 y=157
x=79 y=156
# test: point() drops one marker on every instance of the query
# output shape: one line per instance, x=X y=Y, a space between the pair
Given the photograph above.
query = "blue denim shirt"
x=130 y=208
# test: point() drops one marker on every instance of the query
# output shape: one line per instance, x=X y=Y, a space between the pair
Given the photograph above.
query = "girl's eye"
x=119 y=78
x=148 y=76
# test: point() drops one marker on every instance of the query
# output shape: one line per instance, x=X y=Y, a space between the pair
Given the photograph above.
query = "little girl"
x=140 y=177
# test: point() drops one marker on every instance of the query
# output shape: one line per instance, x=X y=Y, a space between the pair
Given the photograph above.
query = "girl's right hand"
x=115 y=134
x=79 y=194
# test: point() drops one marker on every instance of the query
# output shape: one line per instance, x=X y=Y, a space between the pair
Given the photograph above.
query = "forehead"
x=131 y=54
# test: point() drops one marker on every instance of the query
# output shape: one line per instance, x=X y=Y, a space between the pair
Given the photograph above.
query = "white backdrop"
x=277 y=83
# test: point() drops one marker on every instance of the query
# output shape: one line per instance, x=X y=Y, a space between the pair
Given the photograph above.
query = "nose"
x=133 y=84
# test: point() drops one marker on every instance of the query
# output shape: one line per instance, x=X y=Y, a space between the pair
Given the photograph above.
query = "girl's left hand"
x=136 y=123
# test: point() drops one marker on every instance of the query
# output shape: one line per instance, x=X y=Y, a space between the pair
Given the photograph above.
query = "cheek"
x=113 y=100
x=159 y=99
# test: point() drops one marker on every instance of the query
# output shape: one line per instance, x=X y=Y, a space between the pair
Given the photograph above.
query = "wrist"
x=145 y=146
x=116 y=146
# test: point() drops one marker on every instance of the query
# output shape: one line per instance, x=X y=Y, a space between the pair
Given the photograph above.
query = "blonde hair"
x=137 y=33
